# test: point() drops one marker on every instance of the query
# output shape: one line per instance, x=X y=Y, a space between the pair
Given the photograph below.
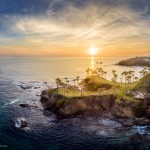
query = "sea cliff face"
x=104 y=105
x=68 y=107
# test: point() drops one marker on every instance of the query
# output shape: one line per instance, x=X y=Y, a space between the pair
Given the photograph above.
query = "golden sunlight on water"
x=50 y=68
x=92 y=66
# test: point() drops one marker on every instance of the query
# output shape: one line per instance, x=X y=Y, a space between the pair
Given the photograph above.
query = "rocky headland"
x=127 y=113
x=137 y=61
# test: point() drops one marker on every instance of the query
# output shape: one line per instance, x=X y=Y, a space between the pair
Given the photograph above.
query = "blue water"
x=45 y=132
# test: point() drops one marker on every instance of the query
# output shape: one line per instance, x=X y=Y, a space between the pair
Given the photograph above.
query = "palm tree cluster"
x=115 y=75
x=129 y=76
x=96 y=72
x=76 y=83
x=144 y=72
x=65 y=85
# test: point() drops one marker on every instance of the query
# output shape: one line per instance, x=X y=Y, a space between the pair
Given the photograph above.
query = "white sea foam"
x=18 y=122
x=109 y=123
x=141 y=129
x=12 y=102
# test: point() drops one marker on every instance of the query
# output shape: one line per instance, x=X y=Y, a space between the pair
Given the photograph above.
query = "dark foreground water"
x=44 y=132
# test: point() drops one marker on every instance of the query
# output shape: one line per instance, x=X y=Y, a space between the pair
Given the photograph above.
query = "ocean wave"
x=109 y=123
x=142 y=129
x=12 y=102
x=21 y=123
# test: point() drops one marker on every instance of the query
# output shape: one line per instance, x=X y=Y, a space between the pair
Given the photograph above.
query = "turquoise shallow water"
x=46 y=133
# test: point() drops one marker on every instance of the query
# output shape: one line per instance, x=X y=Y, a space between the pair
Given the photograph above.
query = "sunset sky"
x=71 y=27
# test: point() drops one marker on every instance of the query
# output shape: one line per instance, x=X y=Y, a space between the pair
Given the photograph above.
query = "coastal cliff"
x=91 y=106
x=121 y=101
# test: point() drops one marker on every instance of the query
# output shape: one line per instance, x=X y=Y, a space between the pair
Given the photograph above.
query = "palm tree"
x=105 y=72
x=74 y=82
x=125 y=73
x=115 y=77
x=57 y=84
x=88 y=71
x=141 y=72
x=135 y=78
x=121 y=80
x=113 y=71
x=77 y=79
x=101 y=71
x=114 y=74
x=67 y=82
x=129 y=78
x=131 y=74
x=145 y=73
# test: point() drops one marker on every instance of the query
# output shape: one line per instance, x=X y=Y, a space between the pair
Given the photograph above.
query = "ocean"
x=45 y=132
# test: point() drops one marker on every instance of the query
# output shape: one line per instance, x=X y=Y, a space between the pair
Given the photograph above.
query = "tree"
x=74 y=82
x=135 y=78
x=121 y=80
x=88 y=72
x=124 y=74
x=77 y=79
x=115 y=75
x=141 y=74
x=105 y=72
x=57 y=84
x=131 y=74
x=113 y=71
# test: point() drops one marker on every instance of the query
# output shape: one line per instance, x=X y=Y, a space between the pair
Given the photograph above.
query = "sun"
x=92 y=51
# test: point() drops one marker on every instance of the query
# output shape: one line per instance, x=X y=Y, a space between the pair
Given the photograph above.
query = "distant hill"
x=137 y=61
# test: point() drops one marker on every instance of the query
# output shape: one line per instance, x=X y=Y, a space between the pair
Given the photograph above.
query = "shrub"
x=60 y=103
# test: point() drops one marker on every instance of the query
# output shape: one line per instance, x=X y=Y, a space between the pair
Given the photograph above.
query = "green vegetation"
x=95 y=94
x=60 y=103
x=96 y=84
x=144 y=83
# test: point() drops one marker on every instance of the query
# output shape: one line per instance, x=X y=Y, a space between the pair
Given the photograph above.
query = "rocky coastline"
x=107 y=106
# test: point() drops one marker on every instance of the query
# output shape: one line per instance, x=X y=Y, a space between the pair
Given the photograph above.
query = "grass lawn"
x=103 y=87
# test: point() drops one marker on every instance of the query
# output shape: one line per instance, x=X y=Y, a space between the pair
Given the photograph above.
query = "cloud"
x=66 y=23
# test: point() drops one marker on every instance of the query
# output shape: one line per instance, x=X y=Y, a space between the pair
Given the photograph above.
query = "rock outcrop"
x=104 y=105
x=90 y=105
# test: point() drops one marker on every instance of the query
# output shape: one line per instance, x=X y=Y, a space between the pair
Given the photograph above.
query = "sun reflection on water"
x=92 y=63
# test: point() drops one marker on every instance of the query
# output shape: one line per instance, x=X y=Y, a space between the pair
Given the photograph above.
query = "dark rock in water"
x=24 y=105
x=47 y=113
x=24 y=123
x=21 y=123
x=25 y=87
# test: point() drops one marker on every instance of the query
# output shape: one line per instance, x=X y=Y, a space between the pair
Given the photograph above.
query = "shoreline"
x=81 y=107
